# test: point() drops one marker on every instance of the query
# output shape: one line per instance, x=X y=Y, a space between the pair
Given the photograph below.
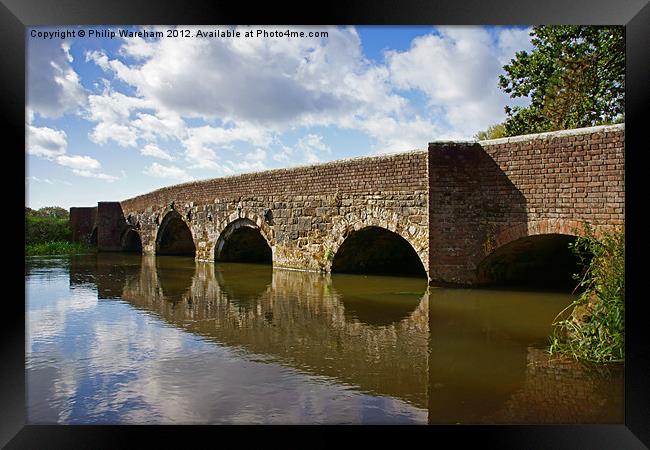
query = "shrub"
x=39 y=230
x=595 y=331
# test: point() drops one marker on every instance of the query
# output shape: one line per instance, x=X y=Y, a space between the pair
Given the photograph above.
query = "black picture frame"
x=16 y=15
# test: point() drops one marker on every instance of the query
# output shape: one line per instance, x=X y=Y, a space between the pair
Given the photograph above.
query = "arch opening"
x=538 y=261
x=131 y=241
x=174 y=237
x=242 y=241
x=377 y=251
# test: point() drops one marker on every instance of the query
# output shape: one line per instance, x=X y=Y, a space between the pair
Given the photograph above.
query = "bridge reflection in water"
x=466 y=356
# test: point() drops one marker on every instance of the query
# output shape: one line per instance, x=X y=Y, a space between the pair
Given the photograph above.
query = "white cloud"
x=112 y=111
x=458 y=71
x=401 y=135
x=163 y=125
x=312 y=146
x=78 y=162
x=137 y=48
x=283 y=155
x=256 y=155
x=54 y=88
x=262 y=84
x=451 y=66
x=156 y=152
x=46 y=142
x=228 y=102
x=511 y=41
x=51 y=144
x=172 y=172
x=85 y=166
x=253 y=81
x=97 y=175
x=205 y=143
x=51 y=181
x=243 y=166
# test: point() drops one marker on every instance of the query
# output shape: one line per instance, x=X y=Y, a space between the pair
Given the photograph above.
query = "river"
x=130 y=339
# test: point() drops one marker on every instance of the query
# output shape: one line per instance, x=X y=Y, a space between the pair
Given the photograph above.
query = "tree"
x=574 y=77
x=55 y=212
x=493 y=132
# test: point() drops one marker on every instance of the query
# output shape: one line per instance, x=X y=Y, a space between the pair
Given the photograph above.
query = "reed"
x=595 y=330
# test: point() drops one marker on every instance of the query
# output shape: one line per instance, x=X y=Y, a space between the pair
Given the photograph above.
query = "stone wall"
x=111 y=226
x=309 y=210
x=485 y=195
x=455 y=204
x=82 y=222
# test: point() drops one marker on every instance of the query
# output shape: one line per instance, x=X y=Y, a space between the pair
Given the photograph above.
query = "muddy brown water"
x=125 y=339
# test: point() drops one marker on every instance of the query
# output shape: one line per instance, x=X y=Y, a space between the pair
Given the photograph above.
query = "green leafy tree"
x=55 y=212
x=574 y=77
x=46 y=225
x=493 y=132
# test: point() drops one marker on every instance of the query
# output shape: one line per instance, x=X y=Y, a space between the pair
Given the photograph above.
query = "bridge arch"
x=131 y=241
x=536 y=253
x=243 y=240
x=174 y=236
x=378 y=223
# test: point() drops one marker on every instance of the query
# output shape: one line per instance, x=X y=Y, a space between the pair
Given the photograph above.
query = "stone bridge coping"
x=534 y=136
x=554 y=134
x=283 y=170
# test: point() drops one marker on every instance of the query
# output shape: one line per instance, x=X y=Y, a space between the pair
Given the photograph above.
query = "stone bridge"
x=459 y=212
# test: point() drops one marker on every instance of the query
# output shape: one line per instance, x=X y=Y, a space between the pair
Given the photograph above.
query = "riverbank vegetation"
x=595 y=330
x=48 y=232
x=58 y=248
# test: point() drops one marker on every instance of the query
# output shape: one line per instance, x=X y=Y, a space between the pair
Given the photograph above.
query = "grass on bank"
x=51 y=236
x=58 y=248
x=595 y=330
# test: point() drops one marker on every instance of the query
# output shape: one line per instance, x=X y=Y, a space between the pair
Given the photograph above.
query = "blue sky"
x=112 y=118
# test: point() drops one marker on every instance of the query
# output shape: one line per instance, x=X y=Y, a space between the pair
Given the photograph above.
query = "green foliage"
x=574 y=77
x=595 y=331
x=58 y=248
x=493 y=132
x=39 y=230
x=329 y=254
x=48 y=211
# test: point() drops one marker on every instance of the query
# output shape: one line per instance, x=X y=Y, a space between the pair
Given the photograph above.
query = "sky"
x=109 y=117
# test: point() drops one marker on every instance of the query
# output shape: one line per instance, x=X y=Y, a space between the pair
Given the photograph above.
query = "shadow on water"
x=376 y=300
x=108 y=271
x=488 y=362
x=243 y=283
x=175 y=274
